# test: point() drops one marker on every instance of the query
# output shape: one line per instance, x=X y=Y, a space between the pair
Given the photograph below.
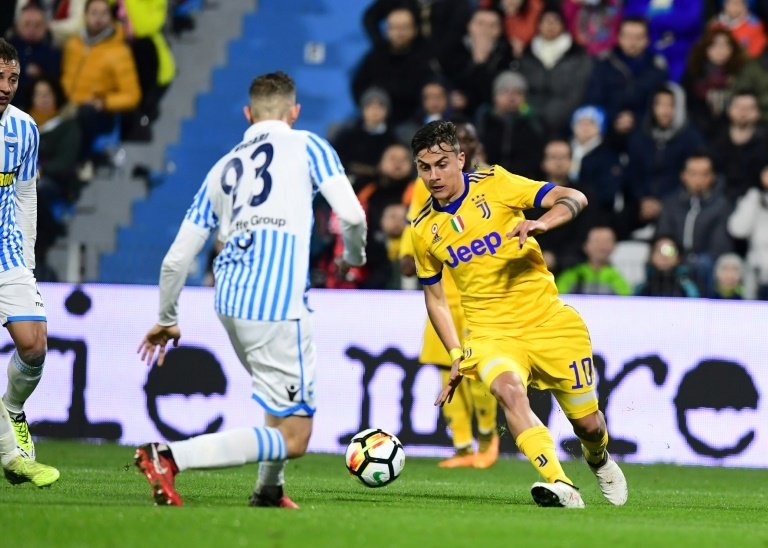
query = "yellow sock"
x=458 y=414
x=594 y=451
x=536 y=444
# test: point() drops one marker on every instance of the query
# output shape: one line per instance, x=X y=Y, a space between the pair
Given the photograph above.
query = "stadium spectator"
x=274 y=343
x=749 y=221
x=729 y=278
x=38 y=56
x=434 y=106
x=98 y=74
x=715 y=63
x=473 y=63
x=560 y=248
x=657 y=151
x=511 y=133
x=361 y=143
x=65 y=17
x=673 y=25
x=594 y=24
x=22 y=311
x=665 y=275
x=557 y=71
x=518 y=327
x=390 y=186
x=596 y=166
x=595 y=276
x=440 y=23
x=401 y=66
x=59 y=147
x=697 y=217
x=143 y=23
x=753 y=78
x=739 y=151
x=746 y=28
x=625 y=79
x=520 y=20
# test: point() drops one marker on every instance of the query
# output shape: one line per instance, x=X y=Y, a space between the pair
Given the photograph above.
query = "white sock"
x=230 y=448
x=22 y=381
x=8 y=449
x=271 y=473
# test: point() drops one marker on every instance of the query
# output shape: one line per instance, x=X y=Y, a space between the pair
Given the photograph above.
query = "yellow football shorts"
x=555 y=356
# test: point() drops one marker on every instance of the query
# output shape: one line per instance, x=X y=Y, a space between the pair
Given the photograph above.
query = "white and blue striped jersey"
x=259 y=196
x=18 y=165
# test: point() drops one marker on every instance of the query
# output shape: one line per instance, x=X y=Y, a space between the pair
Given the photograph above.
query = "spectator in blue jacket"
x=623 y=82
x=674 y=27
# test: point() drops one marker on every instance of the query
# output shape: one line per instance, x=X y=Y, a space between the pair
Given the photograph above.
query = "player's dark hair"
x=272 y=84
x=436 y=134
x=7 y=51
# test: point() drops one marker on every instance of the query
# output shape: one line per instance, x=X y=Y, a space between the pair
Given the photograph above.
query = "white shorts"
x=280 y=356
x=19 y=298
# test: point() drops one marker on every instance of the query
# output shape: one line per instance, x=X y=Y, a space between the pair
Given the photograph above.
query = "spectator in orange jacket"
x=98 y=73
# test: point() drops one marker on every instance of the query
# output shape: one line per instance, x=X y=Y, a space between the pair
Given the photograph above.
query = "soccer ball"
x=375 y=457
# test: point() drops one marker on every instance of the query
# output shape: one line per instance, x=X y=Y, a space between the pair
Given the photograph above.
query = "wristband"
x=455 y=353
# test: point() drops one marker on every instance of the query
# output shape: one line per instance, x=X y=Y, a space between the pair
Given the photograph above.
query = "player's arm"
x=342 y=199
x=26 y=218
x=26 y=199
x=564 y=205
x=328 y=175
x=200 y=220
x=440 y=315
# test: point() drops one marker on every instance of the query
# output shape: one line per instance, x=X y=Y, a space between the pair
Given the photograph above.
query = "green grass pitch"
x=102 y=501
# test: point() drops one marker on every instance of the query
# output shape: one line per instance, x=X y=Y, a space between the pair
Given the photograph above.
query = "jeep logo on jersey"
x=463 y=254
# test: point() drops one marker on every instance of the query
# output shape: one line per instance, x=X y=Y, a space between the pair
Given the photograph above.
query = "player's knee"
x=510 y=391
x=32 y=352
x=592 y=427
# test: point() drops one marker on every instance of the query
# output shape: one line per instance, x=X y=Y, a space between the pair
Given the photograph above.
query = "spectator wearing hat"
x=557 y=71
x=511 y=133
x=596 y=166
x=361 y=143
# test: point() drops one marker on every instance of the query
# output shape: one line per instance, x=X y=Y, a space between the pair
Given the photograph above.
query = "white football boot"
x=558 y=494
x=612 y=482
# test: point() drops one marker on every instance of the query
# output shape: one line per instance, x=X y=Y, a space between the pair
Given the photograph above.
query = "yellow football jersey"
x=503 y=287
x=419 y=199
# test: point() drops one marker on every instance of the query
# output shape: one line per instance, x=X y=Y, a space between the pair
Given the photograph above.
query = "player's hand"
x=155 y=341
x=446 y=394
x=525 y=229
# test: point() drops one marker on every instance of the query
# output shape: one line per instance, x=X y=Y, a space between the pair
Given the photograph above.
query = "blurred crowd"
x=93 y=74
x=655 y=109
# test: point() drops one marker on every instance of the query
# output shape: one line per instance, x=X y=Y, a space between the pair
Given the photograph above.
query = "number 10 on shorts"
x=586 y=371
